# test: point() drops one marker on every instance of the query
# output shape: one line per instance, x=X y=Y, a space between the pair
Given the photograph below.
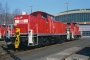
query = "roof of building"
x=73 y=11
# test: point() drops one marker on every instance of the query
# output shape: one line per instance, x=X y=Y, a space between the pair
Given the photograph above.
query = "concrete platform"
x=77 y=57
x=83 y=54
x=61 y=55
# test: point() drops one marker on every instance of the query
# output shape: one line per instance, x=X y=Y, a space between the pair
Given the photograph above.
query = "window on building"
x=86 y=33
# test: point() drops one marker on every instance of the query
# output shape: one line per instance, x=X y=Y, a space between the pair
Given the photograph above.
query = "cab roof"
x=40 y=12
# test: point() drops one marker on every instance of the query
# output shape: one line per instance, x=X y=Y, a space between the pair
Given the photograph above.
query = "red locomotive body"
x=39 y=29
x=2 y=31
x=39 y=22
x=77 y=31
x=74 y=30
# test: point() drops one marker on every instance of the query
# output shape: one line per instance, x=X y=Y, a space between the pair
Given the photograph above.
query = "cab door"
x=45 y=23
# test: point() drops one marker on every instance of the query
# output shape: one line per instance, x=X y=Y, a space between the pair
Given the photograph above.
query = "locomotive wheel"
x=17 y=42
x=52 y=41
x=61 y=39
x=47 y=43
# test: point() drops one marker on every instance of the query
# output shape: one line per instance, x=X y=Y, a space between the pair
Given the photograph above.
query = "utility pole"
x=67 y=11
x=31 y=8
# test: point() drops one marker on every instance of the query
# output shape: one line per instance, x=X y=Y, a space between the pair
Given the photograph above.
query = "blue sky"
x=49 y=6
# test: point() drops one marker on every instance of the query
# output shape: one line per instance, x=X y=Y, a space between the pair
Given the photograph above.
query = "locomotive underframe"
x=39 y=40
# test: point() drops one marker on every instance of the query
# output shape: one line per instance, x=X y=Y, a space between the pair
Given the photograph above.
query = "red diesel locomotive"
x=3 y=28
x=40 y=29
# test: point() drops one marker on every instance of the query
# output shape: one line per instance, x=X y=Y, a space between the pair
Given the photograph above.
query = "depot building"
x=81 y=16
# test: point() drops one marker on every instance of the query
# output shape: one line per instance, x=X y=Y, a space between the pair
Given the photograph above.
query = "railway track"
x=11 y=53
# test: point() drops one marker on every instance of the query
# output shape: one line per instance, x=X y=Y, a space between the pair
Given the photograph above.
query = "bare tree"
x=8 y=18
x=5 y=16
x=6 y=12
x=1 y=13
x=16 y=12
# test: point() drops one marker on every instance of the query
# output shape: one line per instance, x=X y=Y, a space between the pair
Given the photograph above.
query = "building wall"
x=75 y=17
x=85 y=29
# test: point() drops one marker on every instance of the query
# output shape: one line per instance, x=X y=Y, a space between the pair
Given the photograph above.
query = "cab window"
x=52 y=17
x=34 y=14
x=43 y=15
